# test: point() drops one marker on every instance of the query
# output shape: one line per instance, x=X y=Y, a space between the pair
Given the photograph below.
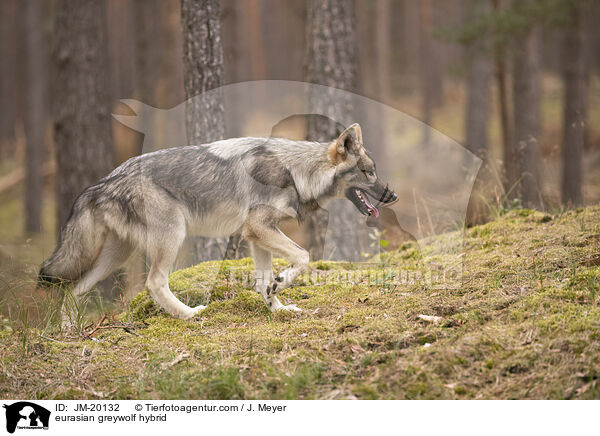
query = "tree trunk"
x=383 y=75
x=205 y=112
x=253 y=13
x=82 y=124
x=283 y=26
x=367 y=52
x=159 y=78
x=145 y=49
x=411 y=36
x=121 y=47
x=510 y=167
x=426 y=73
x=575 y=108
x=479 y=70
x=158 y=52
x=382 y=46
x=331 y=61
x=478 y=102
x=8 y=75
x=430 y=66
x=232 y=17
x=437 y=20
x=35 y=115
x=203 y=70
x=526 y=98
x=169 y=53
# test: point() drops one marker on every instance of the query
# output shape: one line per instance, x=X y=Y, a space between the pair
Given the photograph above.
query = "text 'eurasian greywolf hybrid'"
x=243 y=185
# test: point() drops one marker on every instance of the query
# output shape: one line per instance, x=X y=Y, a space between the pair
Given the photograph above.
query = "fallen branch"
x=18 y=176
x=125 y=327
x=54 y=340
x=97 y=326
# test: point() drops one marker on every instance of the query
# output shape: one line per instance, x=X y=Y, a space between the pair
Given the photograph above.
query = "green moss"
x=520 y=322
x=322 y=265
x=246 y=303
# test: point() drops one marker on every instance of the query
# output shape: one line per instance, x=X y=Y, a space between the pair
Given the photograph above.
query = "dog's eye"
x=370 y=174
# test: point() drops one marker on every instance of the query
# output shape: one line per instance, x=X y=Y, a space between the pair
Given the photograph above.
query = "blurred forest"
x=515 y=82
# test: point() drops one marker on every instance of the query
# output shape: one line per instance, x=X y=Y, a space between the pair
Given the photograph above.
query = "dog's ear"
x=349 y=141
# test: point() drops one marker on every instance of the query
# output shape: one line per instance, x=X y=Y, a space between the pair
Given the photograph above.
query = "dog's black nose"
x=390 y=197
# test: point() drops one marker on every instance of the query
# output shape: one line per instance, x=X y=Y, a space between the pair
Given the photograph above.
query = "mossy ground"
x=524 y=322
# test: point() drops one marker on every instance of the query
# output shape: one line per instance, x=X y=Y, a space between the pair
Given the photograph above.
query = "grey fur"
x=243 y=185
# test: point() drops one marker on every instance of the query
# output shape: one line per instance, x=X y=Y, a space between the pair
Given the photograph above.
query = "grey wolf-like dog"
x=243 y=185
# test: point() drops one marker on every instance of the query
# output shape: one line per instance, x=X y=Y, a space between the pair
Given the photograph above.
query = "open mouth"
x=361 y=201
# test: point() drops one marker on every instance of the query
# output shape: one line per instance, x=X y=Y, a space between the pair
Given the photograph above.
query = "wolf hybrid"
x=243 y=185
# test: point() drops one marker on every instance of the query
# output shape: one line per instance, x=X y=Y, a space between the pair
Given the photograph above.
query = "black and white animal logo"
x=26 y=415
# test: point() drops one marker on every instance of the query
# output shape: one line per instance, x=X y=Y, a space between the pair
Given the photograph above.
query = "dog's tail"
x=79 y=244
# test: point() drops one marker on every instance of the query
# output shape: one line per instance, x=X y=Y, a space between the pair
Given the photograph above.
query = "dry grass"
x=524 y=323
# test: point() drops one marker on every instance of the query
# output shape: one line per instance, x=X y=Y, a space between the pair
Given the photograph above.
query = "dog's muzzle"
x=388 y=196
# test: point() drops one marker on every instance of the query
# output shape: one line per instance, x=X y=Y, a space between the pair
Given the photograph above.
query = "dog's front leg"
x=297 y=256
x=264 y=241
x=263 y=272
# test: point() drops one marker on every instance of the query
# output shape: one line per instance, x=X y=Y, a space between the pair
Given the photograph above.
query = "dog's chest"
x=222 y=221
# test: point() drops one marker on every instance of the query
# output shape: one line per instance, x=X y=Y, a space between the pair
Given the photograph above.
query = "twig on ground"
x=125 y=327
x=183 y=355
x=53 y=340
x=97 y=326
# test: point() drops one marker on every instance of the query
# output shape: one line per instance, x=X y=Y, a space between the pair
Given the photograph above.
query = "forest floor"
x=523 y=322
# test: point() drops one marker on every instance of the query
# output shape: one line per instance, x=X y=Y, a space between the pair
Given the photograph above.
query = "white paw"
x=192 y=311
x=198 y=309
x=290 y=308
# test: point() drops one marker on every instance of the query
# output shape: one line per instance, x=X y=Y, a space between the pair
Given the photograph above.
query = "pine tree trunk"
x=478 y=103
x=233 y=50
x=383 y=49
x=575 y=108
x=431 y=65
x=121 y=48
x=426 y=72
x=479 y=70
x=509 y=160
x=411 y=36
x=205 y=112
x=145 y=54
x=331 y=61
x=8 y=75
x=526 y=97
x=35 y=115
x=203 y=70
x=170 y=86
x=383 y=75
x=158 y=53
x=82 y=123
x=253 y=13
x=282 y=23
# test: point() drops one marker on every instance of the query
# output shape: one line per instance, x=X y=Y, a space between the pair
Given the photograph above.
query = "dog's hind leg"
x=162 y=255
x=113 y=254
x=263 y=272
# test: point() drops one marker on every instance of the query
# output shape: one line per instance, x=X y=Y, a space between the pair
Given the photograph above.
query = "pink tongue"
x=370 y=206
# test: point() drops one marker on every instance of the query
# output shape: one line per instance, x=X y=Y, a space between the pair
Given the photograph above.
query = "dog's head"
x=356 y=175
